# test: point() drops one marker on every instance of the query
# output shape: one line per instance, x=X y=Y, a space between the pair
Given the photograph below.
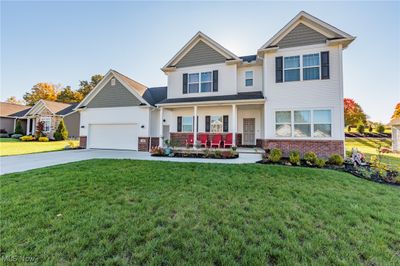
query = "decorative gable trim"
x=192 y=43
x=110 y=74
x=38 y=108
x=312 y=22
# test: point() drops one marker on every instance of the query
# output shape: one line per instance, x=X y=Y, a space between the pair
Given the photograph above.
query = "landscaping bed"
x=195 y=153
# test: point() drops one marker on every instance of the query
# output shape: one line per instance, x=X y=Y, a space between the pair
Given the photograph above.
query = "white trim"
x=199 y=36
x=213 y=103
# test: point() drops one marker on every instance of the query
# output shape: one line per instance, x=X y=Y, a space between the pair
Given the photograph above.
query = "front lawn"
x=368 y=146
x=10 y=146
x=137 y=212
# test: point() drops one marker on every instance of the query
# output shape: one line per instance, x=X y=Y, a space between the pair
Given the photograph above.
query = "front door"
x=249 y=131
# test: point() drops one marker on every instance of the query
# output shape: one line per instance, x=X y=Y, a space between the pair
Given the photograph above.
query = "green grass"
x=10 y=146
x=147 y=212
x=368 y=146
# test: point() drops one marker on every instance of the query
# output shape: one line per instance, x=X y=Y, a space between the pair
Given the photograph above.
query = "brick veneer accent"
x=143 y=143
x=180 y=137
x=323 y=148
x=83 y=142
x=154 y=141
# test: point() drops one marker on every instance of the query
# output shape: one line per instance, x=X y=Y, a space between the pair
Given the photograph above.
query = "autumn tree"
x=14 y=100
x=68 y=95
x=396 y=113
x=353 y=113
x=85 y=87
x=44 y=91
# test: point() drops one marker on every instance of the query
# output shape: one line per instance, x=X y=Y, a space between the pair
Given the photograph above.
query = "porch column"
x=160 y=142
x=194 y=126
x=234 y=124
x=265 y=120
x=28 y=126
x=34 y=125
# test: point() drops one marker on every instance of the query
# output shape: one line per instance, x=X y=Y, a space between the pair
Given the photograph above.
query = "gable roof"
x=136 y=88
x=155 y=95
x=331 y=32
x=199 y=36
x=13 y=110
x=56 y=108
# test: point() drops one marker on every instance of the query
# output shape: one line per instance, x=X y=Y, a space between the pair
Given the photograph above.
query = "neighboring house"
x=10 y=113
x=289 y=95
x=395 y=123
x=51 y=113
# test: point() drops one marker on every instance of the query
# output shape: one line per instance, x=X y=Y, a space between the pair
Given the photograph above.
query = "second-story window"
x=311 y=66
x=292 y=68
x=193 y=83
x=206 y=81
x=249 y=78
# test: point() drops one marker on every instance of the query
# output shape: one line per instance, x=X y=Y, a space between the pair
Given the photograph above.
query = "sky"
x=64 y=42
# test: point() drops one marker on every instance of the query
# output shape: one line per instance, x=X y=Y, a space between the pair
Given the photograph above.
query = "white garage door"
x=113 y=136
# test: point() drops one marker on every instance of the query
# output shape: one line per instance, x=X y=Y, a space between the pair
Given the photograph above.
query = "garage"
x=113 y=136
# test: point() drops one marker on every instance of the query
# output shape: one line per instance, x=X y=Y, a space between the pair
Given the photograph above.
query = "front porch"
x=241 y=124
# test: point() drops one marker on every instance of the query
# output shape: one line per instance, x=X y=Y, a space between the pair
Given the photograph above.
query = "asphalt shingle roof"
x=155 y=95
x=248 y=58
x=11 y=109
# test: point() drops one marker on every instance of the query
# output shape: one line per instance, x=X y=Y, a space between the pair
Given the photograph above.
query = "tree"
x=353 y=113
x=14 y=100
x=61 y=132
x=18 y=128
x=396 y=113
x=68 y=95
x=85 y=87
x=39 y=130
x=44 y=91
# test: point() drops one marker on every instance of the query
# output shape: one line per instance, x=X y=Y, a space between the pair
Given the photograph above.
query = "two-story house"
x=288 y=95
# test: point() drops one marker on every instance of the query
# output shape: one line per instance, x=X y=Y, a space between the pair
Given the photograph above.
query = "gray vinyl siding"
x=72 y=122
x=114 y=96
x=300 y=36
x=7 y=124
x=201 y=54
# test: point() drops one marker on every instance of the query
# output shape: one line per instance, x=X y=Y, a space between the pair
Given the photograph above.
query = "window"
x=206 y=81
x=187 y=124
x=283 y=123
x=113 y=82
x=322 y=123
x=311 y=66
x=200 y=82
x=216 y=124
x=46 y=123
x=194 y=83
x=305 y=123
x=292 y=68
x=249 y=78
x=302 y=123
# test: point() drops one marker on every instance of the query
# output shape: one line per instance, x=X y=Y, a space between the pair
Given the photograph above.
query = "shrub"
x=275 y=155
x=380 y=129
x=16 y=136
x=18 y=128
x=43 y=139
x=39 y=129
x=157 y=150
x=370 y=129
x=320 y=162
x=336 y=159
x=27 y=138
x=61 y=132
x=294 y=157
x=310 y=157
x=361 y=129
x=3 y=131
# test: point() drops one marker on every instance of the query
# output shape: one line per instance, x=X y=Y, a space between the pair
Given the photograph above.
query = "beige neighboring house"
x=10 y=113
x=51 y=113
x=395 y=123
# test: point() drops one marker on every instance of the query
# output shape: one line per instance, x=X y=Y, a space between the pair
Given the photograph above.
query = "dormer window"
x=249 y=78
x=113 y=82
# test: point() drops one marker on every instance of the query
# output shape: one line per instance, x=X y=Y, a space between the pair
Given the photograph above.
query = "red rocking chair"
x=228 y=140
x=216 y=141
x=203 y=140
x=190 y=140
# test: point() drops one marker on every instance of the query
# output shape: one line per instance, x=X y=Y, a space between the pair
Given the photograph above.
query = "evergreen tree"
x=18 y=128
x=61 y=133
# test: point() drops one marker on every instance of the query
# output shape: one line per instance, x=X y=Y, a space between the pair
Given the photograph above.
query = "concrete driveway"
x=19 y=163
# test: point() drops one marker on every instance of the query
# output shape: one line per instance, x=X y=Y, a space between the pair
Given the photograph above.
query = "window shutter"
x=226 y=123
x=208 y=121
x=324 y=65
x=179 y=124
x=215 y=80
x=278 y=69
x=185 y=83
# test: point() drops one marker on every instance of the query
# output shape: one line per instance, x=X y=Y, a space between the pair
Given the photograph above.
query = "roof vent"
x=113 y=82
